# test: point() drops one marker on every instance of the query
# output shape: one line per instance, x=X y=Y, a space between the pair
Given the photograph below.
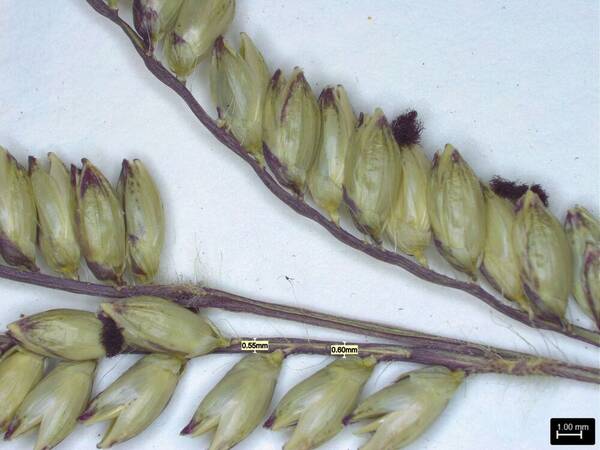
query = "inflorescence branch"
x=408 y=345
x=298 y=204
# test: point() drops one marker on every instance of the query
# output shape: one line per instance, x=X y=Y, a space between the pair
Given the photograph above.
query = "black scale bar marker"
x=572 y=431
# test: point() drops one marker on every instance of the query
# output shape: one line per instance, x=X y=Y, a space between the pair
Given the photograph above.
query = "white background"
x=514 y=85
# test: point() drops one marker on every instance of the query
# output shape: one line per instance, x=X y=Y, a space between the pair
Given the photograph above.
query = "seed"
x=55 y=404
x=291 y=126
x=20 y=371
x=101 y=225
x=136 y=399
x=326 y=177
x=61 y=333
x=144 y=220
x=18 y=221
x=372 y=174
x=238 y=83
x=591 y=279
x=317 y=405
x=405 y=410
x=161 y=326
x=198 y=24
x=544 y=257
x=56 y=209
x=408 y=226
x=583 y=233
x=500 y=264
x=237 y=404
x=457 y=211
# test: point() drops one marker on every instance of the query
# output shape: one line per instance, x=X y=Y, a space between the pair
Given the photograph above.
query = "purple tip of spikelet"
x=24 y=324
x=383 y=122
x=112 y=338
x=125 y=168
x=573 y=218
x=12 y=427
x=219 y=44
x=86 y=415
x=300 y=78
x=361 y=119
x=89 y=176
x=74 y=175
x=512 y=190
x=346 y=420
x=178 y=39
x=327 y=97
x=270 y=421
x=407 y=128
x=125 y=172
x=275 y=77
x=189 y=428
x=32 y=163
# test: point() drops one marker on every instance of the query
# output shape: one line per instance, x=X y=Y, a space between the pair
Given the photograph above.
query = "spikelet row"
x=382 y=175
x=317 y=408
x=74 y=213
x=393 y=192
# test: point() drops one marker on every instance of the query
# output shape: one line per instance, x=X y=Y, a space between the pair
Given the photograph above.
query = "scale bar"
x=580 y=434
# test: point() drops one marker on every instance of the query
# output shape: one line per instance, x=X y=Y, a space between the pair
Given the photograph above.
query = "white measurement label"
x=254 y=346
x=344 y=349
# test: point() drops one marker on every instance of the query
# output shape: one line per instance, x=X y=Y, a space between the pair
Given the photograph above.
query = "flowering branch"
x=489 y=361
x=197 y=297
x=301 y=207
x=409 y=345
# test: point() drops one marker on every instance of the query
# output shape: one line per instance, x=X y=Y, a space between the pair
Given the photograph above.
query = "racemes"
x=70 y=214
x=317 y=408
x=393 y=193
x=454 y=251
